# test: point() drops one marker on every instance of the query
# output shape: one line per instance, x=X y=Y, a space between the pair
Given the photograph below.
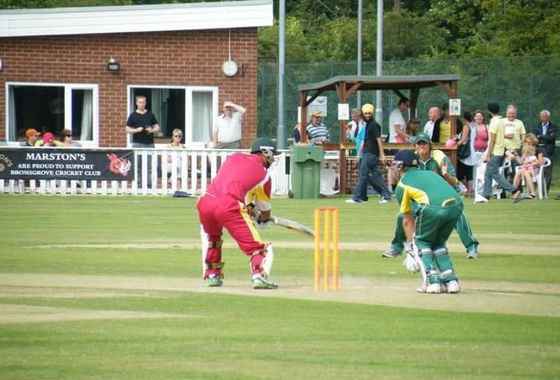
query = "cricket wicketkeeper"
x=224 y=206
x=430 y=209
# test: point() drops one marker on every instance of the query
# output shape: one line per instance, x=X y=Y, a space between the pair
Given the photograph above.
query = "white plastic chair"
x=479 y=173
x=539 y=179
x=541 y=182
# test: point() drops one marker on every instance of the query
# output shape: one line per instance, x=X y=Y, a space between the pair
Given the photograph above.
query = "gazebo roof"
x=384 y=82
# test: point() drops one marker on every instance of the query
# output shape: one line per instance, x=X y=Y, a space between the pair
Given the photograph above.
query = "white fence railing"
x=157 y=172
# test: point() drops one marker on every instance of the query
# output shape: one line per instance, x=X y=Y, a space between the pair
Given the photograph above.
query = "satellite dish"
x=229 y=68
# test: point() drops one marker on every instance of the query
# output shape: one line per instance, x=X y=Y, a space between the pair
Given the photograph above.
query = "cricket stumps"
x=326 y=256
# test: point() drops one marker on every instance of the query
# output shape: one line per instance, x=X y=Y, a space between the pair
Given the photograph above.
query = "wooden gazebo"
x=345 y=86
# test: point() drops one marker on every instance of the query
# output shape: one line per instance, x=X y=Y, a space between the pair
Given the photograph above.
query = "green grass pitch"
x=110 y=288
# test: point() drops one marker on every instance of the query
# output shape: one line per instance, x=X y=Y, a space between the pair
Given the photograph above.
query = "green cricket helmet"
x=264 y=145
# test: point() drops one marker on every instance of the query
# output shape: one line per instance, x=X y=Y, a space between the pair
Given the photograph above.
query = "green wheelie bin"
x=306 y=171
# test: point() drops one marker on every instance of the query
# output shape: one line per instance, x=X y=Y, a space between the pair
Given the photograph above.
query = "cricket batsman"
x=436 y=161
x=224 y=206
x=430 y=209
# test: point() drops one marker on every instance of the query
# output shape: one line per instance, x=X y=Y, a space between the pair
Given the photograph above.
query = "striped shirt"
x=317 y=134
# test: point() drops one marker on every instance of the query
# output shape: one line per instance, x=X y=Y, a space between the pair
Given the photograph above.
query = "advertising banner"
x=66 y=164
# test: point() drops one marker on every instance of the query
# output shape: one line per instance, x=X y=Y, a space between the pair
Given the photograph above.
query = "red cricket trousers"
x=218 y=212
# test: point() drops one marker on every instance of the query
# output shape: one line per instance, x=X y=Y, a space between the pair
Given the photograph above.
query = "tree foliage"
x=326 y=30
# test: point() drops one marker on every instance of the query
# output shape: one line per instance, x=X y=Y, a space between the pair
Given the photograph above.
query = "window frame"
x=188 y=108
x=68 y=87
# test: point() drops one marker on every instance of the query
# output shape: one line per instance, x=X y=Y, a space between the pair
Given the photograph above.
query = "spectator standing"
x=434 y=115
x=494 y=156
x=31 y=137
x=372 y=152
x=514 y=130
x=142 y=125
x=317 y=131
x=480 y=135
x=397 y=123
x=442 y=128
x=355 y=130
x=545 y=131
x=227 y=132
x=465 y=164
x=480 y=145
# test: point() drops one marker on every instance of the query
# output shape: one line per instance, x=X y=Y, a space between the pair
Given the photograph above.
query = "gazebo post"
x=414 y=93
x=303 y=116
x=342 y=98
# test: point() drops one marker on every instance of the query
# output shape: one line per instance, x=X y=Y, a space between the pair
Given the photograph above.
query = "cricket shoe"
x=480 y=199
x=215 y=281
x=453 y=287
x=354 y=201
x=434 y=288
x=391 y=253
x=261 y=282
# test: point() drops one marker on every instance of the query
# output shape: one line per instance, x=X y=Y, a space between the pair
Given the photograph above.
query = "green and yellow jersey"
x=435 y=162
x=424 y=187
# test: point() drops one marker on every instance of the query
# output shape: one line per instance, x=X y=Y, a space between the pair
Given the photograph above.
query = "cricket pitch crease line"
x=493 y=248
x=17 y=313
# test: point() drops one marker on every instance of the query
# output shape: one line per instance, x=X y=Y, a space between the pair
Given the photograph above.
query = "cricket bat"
x=292 y=225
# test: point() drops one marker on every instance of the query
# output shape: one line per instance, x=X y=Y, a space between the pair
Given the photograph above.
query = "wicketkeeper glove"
x=411 y=260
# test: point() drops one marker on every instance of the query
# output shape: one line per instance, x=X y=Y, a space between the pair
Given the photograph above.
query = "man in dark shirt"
x=142 y=125
x=372 y=153
x=546 y=133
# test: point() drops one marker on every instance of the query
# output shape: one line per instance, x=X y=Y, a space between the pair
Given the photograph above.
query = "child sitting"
x=529 y=164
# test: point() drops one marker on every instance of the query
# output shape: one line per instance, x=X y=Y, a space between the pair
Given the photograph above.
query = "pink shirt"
x=239 y=174
x=481 y=138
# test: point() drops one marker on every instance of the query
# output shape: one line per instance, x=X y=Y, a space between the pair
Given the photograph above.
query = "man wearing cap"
x=372 y=152
x=224 y=206
x=317 y=131
x=31 y=137
x=227 y=133
x=430 y=208
x=436 y=161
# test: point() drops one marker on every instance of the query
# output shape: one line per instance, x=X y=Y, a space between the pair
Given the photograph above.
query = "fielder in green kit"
x=436 y=161
x=430 y=208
